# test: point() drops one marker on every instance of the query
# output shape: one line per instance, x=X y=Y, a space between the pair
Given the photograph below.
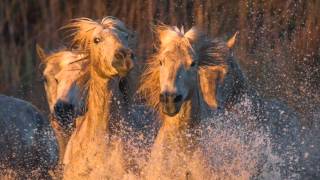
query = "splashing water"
x=223 y=153
x=226 y=149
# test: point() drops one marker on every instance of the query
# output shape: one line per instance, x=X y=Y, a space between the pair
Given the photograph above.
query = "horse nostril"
x=69 y=107
x=58 y=107
x=178 y=98
x=124 y=53
x=120 y=54
x=162 y=98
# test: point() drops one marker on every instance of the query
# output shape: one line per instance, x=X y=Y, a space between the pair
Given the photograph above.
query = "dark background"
x=278 y=46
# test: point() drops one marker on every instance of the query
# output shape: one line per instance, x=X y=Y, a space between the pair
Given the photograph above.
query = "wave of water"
x=226 y=150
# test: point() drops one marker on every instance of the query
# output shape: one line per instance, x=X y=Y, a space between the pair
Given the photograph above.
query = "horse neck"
x=99 y=98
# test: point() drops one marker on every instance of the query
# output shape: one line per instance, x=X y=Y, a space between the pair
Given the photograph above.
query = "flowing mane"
x=106 y=45
x=208 y=51
x=78 y=32
x=186 y=81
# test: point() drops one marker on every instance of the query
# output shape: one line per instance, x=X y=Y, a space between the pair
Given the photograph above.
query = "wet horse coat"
x=191 y=78
x=175 y=84
x=27 y=141
x=88 y=151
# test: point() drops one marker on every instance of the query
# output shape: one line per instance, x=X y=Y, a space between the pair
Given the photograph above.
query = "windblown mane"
x=209 y=52
x=78 y=32
x=114 y=23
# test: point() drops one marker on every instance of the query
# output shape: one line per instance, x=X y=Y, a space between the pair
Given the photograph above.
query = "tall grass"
x=278 y=47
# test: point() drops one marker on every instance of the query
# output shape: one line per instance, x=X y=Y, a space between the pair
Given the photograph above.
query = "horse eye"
x=96 y=40
x=160 y=63
x=193 y=64
x=56 y=80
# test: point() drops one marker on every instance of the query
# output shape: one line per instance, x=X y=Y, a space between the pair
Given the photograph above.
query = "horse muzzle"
x=65 y=113
x=171 y=103
x=123 y=61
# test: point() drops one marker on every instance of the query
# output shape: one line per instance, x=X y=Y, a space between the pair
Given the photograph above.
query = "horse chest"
x=86 y=154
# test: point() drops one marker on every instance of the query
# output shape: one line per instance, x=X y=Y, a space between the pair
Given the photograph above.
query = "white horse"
x=61 y=71
x=191 y=78
x=107 y=45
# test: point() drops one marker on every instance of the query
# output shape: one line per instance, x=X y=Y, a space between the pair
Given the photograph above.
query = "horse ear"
x=193 y=34
x=165 y=34
x=42 y=55
x=232 y=40
x=209 y=77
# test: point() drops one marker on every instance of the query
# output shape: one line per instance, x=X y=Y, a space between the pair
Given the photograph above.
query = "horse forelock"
x=110 y=22
x=209 y=52
x=79 y=32
x=171 y=37
x=55 y=61
x=64 y=60
x=168 y=35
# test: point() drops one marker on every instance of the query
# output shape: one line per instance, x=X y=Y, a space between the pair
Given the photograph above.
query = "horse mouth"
x=123 y=66
x=123 y=72
x=171 y=109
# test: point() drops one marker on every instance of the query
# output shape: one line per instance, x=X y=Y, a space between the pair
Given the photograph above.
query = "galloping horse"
x=176 y=84
x=192 y=77
x=106 y=44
